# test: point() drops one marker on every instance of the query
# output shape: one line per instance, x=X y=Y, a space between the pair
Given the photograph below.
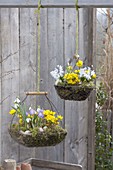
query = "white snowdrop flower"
x=16 y=106
x=82 y=72
x=57 y=73
x=61 y=71
x=87 y=76
x=89 y=68
x=54 y=74
x=92 y=72
x=41 y=129
x=28 y=120
x=17 y=100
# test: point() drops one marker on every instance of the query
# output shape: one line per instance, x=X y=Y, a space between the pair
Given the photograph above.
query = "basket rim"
x=76 y=86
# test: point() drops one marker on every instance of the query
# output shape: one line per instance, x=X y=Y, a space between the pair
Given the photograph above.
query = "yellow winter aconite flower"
x=29 y=116
x=94 y=76
x=20 y=121
x=79 y=63
x=50 y=118
x=48 y=112
x=60 y=117
x=20 y=116
x=72 y=78
x=12 y=112
x=70 y=67
x=77 y=71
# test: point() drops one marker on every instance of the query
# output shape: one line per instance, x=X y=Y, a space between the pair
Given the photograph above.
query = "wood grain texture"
x=83 y=106
x=71 y=107
x=89 y=114
x=36 y=93
x=28 y=28
x=0 y=92
x=42 y=152
x=51 y=55
x=10 y=164
x=10 y=76
x=92 y=98
x=56 y=3
x=55 y=165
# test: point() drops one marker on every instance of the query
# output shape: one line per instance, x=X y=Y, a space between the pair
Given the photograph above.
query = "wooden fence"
x=18 y=70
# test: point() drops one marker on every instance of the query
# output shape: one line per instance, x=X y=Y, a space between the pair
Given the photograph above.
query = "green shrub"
x=103 y=142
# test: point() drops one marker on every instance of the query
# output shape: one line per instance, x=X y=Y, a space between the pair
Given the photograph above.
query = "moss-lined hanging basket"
x=49 y=137
x=76 y=93
x=36 y=128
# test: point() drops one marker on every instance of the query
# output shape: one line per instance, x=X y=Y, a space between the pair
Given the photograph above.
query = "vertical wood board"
x=83 y=106
x=51 y=55
x=89 y=60
x=0 y=90
x=71 y=107
x=10 y=76
x=28 y=22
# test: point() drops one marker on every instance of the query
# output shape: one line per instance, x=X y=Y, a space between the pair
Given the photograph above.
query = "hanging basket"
x=51 y=137
x=38 y=136
x=76 y=93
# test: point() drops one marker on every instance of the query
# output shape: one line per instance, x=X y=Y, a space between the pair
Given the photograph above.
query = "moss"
x=77 y=93
x=49 y=137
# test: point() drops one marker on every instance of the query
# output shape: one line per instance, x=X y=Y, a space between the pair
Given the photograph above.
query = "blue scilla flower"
x=41 y=115
x=31 y=111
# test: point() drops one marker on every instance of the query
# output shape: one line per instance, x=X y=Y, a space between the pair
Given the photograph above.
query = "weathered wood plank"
x=55 y=165
x=0 y=92
x=55 y=57
x=57 y=3
x=41 y=153
x=71 y=107
x=91 y=103
x=89 y=115
x=10 y=76
x=83 y=106
x=51 y=55
x=28 y=29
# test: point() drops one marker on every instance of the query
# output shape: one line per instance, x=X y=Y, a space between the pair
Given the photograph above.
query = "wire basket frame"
x=50 y=137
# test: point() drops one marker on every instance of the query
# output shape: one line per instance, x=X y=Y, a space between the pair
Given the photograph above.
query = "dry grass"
x=106 y=75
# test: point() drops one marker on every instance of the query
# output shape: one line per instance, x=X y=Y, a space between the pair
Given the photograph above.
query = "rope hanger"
x=77 y=38
x=39 y=39
x=38 y=81
x=77 y=27
x=39 y=56
x=76 y=34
